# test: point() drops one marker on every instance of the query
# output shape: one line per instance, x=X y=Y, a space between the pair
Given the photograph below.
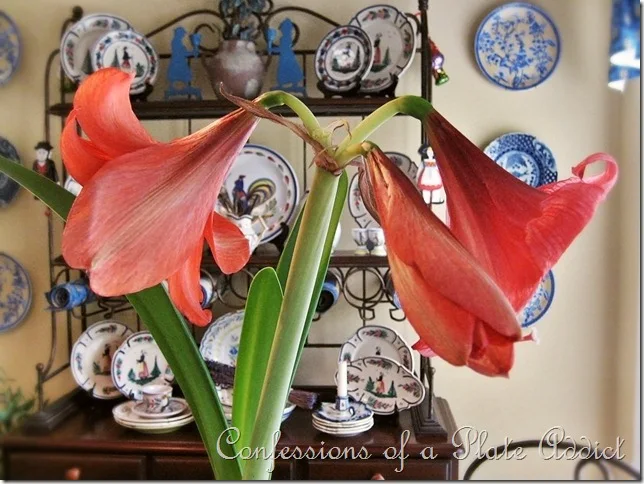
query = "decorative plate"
x=405 y=164
x=525 y=157
x=130 y=52
x=138 y=362
x=15 y=293
x=348 y=432
x=394 y=44
x=175 y=407
x=517 y=46
x=77 y=43
x=376 y=340
x=10 y=48
x=383 y=385
x=125 y=413
x=331 y=416
x=220 y=343
x=343 y=58
x=91 y=358
x=262 y=184
x=8 y=188
x=540 y=302
x=357 y=208
x=72 y=186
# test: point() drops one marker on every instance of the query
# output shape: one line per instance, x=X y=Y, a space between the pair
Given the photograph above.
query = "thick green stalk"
x=297 y=297
x=280 y=98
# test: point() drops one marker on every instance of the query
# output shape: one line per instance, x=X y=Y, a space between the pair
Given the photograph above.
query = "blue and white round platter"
x=9 y=48
x=540 y=302
x=15 y=293
x=517 y=46
x=8 y=188
x=525 y=157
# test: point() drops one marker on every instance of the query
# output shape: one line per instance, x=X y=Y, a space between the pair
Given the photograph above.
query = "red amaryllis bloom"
x=146 y=206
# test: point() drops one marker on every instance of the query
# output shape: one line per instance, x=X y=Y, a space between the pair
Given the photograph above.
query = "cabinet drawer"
x=198 y=468
x=366 y=469
x=55 y=466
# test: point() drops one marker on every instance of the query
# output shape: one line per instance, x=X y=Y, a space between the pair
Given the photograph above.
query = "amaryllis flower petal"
x=102 y=106
x=185 y=290
x=515 y=231
x=139 y=218
x=230 y=248
x=81 y=157
x=454 y=306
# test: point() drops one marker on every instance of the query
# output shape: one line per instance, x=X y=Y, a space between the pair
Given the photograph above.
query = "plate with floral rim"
x=139 y=362
x=343 y=58
x=261 y=184
x=517 y=46
x=10 y=48
x=78 y=41
x=91 y=358
x=374 y=340
x=8 y=188
x=540 y=301
x=394 y=45
x=383 y=385
x=15 y=293
x=131 y=52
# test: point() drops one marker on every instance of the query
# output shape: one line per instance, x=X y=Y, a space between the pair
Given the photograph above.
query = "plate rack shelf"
x=363 y=270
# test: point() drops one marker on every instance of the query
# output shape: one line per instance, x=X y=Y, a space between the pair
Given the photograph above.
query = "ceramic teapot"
x=238 y=66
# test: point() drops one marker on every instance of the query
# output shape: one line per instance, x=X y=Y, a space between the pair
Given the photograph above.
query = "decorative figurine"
x=44 y=165
x=179 y=73
x=290 y=77
x=430 y=183
x=438 y=59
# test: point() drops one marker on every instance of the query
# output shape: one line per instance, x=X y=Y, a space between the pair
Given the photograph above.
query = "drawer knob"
x=72 y=474
x=377 y=477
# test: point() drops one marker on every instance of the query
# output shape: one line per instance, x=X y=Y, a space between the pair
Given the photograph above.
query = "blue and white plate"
x=15 y=293
x=9 y=48
x=8 y=188
x=525 y=157
x=540 y=302
x=517 y=46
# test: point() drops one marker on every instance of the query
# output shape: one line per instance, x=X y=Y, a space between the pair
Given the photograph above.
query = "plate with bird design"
x=91 y=358
x=261 y=184
x=139 y=362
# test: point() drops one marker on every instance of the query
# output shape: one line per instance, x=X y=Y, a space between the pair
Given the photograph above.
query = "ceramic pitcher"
x=238 y=66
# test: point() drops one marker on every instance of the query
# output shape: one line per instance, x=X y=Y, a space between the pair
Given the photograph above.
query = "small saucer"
x=328 y=413
x=174 y=407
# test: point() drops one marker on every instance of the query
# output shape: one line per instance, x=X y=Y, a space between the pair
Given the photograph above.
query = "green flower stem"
x=280 y=98
x=297 y=297
x=414 y=106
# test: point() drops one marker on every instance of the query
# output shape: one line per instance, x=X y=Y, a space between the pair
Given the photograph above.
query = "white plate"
x=263 y=176
x=344 y=427
x=394 y=44
x=130 y=52
x=72 y=186
x=339 y=433
x=91 y=358
x=373 y=340
x=139 y=362
x=220 y=343
x=383 y=385
x=405 y=164
x=155 y=428
x=357 y=208
x=288 y=411
x=125 y=413
x=330 y=415
x=174 y=407
x=77 y=43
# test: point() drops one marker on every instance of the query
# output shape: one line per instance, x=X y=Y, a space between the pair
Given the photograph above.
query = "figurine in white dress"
x=430 y=183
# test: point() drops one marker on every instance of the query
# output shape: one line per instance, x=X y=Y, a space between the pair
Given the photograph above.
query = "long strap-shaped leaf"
x=260 y=319
x=287 y=255
x=169 y=331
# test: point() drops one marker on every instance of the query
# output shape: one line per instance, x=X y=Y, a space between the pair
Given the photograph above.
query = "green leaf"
x=53 y=195
x=260 y=320
x=287 y=255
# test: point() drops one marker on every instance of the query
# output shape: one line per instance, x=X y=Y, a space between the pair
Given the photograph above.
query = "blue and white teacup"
x=156 y=397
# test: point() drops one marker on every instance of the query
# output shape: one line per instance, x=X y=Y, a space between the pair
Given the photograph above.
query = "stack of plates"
x=343 y=423
x=132 y=415
x=288 y=410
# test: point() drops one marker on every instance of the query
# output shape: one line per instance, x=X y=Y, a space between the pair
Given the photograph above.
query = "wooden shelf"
x=215 y=108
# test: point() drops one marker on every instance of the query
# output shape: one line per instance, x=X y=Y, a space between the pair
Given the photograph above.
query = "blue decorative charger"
x=9 y=48
x=15 y=293
x=525 y=157
x=8 y=187
x=517 y=46
x=540 y=302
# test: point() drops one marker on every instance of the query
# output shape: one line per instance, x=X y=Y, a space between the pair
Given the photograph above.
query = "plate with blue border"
x=8 y=188
x=517 y=46
x=15 y=293
x=540 y=301
x=10 y=48
x=523 y=155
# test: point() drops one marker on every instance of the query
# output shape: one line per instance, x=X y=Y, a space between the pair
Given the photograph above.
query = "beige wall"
x=574 y=377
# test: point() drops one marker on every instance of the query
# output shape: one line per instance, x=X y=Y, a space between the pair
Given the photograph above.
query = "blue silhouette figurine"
x=179 y=73
x=240 y=197
x=290 y=77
